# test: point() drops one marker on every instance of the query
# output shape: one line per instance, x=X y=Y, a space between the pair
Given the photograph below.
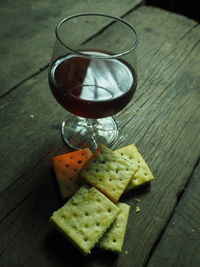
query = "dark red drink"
x=92 y=88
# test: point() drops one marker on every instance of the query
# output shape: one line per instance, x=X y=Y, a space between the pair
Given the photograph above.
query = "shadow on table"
x=136 y=193
x=64 y=253
x=187 y=8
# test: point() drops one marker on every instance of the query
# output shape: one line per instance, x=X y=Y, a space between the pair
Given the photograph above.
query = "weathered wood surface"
x=27 y=34
x=179 y=245
x=163 y=121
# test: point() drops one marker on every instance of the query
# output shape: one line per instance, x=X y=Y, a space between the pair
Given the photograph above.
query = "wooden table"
x=163 y=120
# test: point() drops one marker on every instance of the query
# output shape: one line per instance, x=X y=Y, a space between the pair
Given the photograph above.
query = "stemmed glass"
x=93 y=75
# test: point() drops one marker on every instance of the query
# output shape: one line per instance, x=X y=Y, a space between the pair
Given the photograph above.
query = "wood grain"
x=27 y=37
x=163 y=121
x=179 y=245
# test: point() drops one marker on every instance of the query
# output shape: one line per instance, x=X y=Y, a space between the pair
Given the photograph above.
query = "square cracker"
x=113 y=239
x=143 y=173
x=85 y=218
x=109 y=172
x=67 y=167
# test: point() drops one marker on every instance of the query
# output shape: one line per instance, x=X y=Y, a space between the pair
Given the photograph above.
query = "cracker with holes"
x=109 y=171
x=113 y=239
x=143 y=173
x=85 y=218
x=67 y=167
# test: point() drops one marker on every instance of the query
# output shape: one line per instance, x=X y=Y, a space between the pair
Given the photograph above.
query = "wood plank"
x=188 y=9
x=179 y=245
x=165 y=129
x=27 y=37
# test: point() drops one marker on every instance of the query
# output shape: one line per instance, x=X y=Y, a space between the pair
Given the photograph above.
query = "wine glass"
x=93 y=75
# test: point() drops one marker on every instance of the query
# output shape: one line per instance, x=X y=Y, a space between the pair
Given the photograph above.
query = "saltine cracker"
x=113 y=239
x=143 y=173
x=67 y=167
x=85 y=218
x=109 y=172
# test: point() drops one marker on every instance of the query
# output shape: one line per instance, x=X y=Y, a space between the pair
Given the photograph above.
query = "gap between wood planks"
x=25 y=80
x=90 y=38
x=179 y=196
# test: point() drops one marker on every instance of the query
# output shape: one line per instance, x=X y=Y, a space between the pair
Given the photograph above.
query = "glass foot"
x=81 y=133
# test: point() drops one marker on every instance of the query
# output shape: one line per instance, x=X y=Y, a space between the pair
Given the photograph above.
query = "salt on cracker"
x=66 y=168
x=109 y=172
x=143 y=173
x=85 y=218
x=113 y=239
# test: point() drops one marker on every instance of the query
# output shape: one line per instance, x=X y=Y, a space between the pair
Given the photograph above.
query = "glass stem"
x=92 y=126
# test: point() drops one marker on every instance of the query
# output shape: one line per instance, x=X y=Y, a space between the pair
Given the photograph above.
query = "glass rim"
x=135 y=43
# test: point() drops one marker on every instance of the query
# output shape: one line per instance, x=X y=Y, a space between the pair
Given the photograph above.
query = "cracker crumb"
x=32 y=116
x=137 y=209
x=193 y=230
x=137 y=200
x=126 y=252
